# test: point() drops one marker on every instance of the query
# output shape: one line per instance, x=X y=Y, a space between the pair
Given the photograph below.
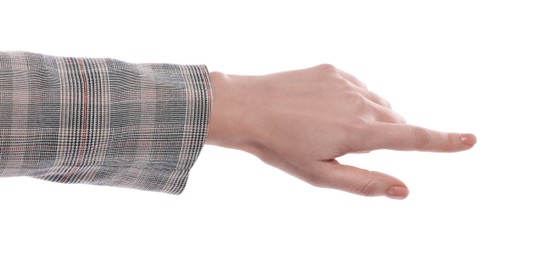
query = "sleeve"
x=102 y=121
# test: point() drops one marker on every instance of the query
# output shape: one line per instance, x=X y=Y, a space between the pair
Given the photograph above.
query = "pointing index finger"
x=413 y=138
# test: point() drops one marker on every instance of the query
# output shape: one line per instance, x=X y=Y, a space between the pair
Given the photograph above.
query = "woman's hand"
x=301 y=121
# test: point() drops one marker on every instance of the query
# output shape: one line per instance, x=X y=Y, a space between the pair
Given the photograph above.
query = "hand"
x=301 y=121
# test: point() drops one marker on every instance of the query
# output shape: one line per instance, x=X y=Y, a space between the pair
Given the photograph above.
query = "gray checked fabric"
x=101 y=121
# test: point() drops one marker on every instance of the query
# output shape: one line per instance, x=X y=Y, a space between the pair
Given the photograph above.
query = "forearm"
x=101 y=121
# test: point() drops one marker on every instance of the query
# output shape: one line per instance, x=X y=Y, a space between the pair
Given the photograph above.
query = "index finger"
x=406 y=137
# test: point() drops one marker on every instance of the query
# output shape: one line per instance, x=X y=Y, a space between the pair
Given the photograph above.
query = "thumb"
x=360 y=181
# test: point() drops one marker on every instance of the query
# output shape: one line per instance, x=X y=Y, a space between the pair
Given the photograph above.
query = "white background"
x=466 y=66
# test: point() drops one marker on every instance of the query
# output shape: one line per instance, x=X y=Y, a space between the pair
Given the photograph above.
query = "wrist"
x=229 y=114
x=215 y=124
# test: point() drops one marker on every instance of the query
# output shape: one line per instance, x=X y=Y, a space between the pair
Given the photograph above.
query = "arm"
x=101 y=121
x=107 y=122
x=301 y=121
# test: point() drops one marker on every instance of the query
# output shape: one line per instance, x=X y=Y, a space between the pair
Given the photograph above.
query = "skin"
x=301 y=121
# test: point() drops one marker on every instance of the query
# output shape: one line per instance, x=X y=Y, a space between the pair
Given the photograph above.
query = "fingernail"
x=397 y=192
x=468 y=139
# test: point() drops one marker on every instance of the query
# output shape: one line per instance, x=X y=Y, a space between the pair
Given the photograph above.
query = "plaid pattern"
x=101 y=121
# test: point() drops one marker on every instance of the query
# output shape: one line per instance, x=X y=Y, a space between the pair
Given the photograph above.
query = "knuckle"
x=367 y=188
x=356 y=124
x=421 y=137
x=386 y=103
x=353 y=134
x=339 y=82
x=390 y=117
x=355 y=101
x=356 y=128
x=400 y=120
x=327 y=68
x=451 y=143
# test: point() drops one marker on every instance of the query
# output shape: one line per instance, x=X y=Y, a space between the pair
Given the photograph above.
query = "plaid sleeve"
x=101 y=121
